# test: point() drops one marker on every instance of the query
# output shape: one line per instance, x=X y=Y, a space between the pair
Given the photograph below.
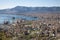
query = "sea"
x=11 y=17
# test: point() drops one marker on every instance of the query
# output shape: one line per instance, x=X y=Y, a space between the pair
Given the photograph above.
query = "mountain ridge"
x=24 y=9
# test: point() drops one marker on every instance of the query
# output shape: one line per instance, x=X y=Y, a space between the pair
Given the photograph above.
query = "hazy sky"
x=12 y=3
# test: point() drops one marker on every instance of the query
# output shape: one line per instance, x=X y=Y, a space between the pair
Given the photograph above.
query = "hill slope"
x=22 y=9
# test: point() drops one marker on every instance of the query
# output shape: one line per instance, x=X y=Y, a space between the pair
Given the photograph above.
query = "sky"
x=4 y=4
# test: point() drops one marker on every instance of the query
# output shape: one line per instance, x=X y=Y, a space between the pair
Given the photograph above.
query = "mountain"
x=22 y=9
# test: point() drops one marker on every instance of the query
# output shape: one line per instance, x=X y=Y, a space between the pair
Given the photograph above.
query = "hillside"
x=22 y=9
